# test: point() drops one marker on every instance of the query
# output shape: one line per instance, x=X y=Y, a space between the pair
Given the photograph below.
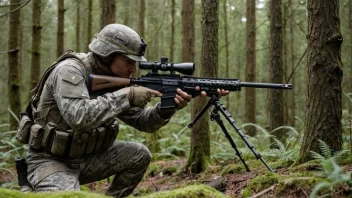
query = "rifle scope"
x=183 y=68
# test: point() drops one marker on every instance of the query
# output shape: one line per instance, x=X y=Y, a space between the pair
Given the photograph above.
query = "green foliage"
x=341 y=157
x=232 y=169
x=335 y=179
x=279 y=151
x=10 y=148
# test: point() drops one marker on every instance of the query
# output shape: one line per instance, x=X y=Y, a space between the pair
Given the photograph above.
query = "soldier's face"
x=122 y=66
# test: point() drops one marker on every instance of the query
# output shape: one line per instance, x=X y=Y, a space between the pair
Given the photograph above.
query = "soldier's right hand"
x=140 y=96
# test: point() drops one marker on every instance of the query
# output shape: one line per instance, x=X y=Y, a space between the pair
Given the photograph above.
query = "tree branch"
x=293 y=71
x=24 y=3
x=2 y=6
x=271 y=188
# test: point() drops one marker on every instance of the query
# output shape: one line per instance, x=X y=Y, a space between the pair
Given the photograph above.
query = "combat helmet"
x=121 y=39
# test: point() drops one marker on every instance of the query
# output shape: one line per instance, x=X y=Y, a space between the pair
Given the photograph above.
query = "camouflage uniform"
x=70 y=106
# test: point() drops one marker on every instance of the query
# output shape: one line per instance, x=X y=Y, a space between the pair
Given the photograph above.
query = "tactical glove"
x=140 y=96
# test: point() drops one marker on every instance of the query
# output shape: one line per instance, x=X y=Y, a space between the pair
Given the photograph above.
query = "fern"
x=317 y=156
x=13 y=115
x=335 y=178
x=325 y=149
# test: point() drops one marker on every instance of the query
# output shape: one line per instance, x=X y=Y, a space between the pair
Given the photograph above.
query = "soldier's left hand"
x=221 y=92
x=182 y=99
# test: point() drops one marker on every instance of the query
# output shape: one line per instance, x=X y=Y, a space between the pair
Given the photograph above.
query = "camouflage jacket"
x=67 y=103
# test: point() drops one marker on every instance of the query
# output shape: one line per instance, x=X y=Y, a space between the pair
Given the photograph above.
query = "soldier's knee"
x=147 y=156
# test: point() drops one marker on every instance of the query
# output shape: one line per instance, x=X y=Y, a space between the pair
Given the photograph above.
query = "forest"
x=273 y=142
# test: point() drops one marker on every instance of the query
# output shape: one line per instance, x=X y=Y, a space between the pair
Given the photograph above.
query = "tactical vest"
x=42 y=135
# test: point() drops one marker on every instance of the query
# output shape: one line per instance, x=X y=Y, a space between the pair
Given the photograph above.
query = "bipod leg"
x=210 y=102
x=215 y=116
x=227 y=115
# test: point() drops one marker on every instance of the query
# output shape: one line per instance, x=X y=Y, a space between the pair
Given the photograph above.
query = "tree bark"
x=227 y=54
x=250 y=100
x=293 y=57
x=90 y=22
x=14 y=94
x=78 y=25
x=188 y=39
x=60 y=28
x=324 y=102
x=276 y=74
x=126 y=18
x=107 y=12
x=200 y=144
x=285 y=63
x=141 y=27
x=172 y=43
x=36 y=44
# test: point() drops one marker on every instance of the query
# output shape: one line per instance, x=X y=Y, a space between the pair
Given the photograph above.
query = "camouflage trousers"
x=128 y=161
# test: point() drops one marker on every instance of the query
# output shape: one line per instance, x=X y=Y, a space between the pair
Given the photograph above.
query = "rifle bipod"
x=214 y=101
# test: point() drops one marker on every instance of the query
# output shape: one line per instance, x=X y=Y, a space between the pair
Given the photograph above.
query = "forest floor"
x=169 y=175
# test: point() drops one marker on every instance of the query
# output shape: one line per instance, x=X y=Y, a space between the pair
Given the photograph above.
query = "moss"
x=153 y=170
x=143 y=192
x=297 y=182
x=194 y=191
x=232 y=168
x=260 y=183
x=62 y=194
x=308 y=166
x=281 y=164
x=345 y=160
x=169 y=170
x=85 y=188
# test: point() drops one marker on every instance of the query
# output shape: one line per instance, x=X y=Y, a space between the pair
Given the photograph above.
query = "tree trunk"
x=292 y=49
x=285 y=63
x=276 y=95
x=78 y=24
x=324 y=105
x=107 y=12
x=90 y=22
x=188 y=39
x=349 y=78
x=14 y=94
x=200 y=144
x=126 y=18
x=227 y=54
x=141 y=27
x=250 y=101
x=60 y=28
x=36 y=44
x=172 y=43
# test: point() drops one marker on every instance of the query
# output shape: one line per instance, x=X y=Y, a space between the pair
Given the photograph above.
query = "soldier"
x=72 y=139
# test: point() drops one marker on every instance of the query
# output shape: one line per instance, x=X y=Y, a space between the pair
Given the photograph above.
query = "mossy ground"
x=168 y=179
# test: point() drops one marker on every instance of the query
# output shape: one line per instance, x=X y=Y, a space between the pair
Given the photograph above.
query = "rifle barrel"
x=266 y=85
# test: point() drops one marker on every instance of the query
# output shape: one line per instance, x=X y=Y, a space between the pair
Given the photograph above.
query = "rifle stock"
x=101 y=82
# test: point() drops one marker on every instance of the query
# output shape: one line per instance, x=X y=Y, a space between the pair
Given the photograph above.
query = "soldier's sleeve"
x=77 y=109
x=148 y=119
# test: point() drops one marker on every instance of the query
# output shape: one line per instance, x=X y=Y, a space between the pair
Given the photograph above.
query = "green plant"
x=336 y=179
x=326 y=153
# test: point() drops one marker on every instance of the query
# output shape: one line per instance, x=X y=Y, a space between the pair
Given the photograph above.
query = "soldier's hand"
x=140 y=96
x=182 y=99
x=221 y=92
